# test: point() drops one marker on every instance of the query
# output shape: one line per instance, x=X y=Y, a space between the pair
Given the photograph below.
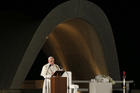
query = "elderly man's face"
x=51 y=61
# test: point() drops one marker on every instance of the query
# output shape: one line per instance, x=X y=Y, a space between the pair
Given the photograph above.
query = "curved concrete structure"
x=77 y=46
x=96 y=21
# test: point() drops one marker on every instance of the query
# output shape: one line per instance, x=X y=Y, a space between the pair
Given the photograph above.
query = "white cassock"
x=47 y=71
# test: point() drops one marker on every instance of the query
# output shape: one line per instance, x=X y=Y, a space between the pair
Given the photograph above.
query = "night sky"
x=122 y=17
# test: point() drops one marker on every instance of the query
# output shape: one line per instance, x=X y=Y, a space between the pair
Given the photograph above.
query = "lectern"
x=58 y=84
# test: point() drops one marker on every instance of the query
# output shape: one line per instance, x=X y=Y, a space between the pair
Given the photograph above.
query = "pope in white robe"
x=47 y=71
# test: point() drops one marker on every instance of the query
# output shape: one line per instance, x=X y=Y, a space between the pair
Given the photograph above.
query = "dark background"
x=123 y=17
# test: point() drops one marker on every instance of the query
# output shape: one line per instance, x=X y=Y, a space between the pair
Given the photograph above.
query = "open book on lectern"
x=58 y=73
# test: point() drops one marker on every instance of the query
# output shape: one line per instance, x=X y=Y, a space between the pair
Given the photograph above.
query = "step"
x=20 y=90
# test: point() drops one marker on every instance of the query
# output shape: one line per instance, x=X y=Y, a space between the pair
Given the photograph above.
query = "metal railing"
x=117 y=82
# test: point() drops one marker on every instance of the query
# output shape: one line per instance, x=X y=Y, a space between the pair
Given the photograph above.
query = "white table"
x=104 y=87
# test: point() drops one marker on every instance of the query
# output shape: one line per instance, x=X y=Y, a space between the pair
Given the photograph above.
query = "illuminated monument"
x=79 y=34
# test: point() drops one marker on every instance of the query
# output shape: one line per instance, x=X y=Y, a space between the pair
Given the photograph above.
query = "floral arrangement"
x=104 y=78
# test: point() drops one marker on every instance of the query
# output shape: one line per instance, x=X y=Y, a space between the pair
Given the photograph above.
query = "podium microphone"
x=49 y=65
